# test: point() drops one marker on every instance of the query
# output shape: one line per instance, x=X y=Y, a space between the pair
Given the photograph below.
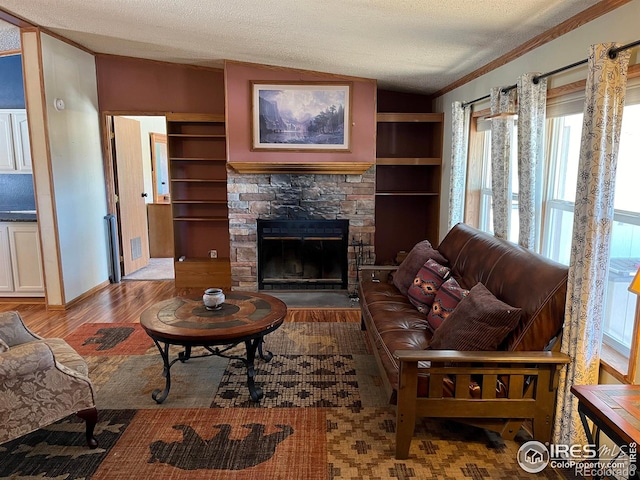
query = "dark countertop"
x=17 y=217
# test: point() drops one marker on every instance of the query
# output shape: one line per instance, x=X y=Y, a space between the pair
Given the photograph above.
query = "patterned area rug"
x=324 y=415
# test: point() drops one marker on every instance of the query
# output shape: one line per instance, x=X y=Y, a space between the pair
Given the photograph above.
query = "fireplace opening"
x=302 y=254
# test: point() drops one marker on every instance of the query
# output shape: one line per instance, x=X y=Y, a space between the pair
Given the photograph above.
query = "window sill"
x=615 y=364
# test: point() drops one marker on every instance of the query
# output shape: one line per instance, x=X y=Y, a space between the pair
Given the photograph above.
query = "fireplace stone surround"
x=297 y=196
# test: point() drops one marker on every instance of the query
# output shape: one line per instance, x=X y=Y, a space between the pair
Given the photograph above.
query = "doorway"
x=141 y=196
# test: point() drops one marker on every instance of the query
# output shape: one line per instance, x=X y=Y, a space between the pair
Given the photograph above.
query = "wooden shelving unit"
x=408 y=175
x=196 y=145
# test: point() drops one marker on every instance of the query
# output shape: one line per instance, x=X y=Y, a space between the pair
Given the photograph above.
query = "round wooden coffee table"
x=244 y=317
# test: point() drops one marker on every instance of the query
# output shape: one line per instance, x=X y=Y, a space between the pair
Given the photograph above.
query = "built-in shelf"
x=197 y=163
x=408 y=161
x=197 y=159
x=198 y=202
x=412 y=194
x=200 y=219
x=196 y=135
x=198 y=271
x=203 y=259
x=408 y=172
x=410 y=117
x=199 y=180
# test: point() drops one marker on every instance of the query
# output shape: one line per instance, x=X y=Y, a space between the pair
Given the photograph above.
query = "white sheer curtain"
x=593 y=218
x=459 y=149
x=532 y=103
x=501 y=133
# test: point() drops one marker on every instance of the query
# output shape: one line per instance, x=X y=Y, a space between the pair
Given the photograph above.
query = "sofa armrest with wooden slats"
x=530 y=378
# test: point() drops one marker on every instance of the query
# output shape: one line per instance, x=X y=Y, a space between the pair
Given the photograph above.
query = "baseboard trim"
x=80 y=298
x=26 y=300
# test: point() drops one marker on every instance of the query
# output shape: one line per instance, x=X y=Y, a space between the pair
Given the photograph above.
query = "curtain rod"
x=613 y=53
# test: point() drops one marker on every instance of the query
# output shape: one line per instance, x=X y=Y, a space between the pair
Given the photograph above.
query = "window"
x=564 y=134
x=486 y=196
x=563 y=137
x=564 y=150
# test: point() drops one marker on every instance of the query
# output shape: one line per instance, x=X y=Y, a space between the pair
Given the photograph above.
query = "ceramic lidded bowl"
x=213 y=298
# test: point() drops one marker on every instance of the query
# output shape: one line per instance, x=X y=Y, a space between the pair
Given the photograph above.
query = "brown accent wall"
x=127 y=84
x=239 y=77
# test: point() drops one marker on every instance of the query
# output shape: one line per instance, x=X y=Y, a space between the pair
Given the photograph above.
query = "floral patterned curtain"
x=532 y=104
x=501 y=133
x=593 y=218
x=459 y=149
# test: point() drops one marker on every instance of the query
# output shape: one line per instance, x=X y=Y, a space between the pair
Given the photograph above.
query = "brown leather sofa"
x=498 y=390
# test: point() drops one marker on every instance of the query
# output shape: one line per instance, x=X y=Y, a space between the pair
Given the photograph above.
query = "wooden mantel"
x=343 y=168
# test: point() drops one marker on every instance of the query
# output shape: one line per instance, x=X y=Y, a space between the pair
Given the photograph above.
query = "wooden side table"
x=614 y=410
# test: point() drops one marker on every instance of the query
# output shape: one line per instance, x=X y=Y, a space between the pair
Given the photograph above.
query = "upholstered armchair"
x=41 y=381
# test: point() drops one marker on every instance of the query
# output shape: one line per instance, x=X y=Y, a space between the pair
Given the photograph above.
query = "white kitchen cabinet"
x=21 y=146
x=6 y=277
x=15 y=151
x=20 y=243
x=7 y=158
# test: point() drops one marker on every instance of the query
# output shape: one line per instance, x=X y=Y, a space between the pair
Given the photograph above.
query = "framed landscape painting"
x=301 y=116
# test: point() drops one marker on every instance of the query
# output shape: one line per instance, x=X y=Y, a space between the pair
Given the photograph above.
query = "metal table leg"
x=255 y=393
x=166 y=373
x=252 y=346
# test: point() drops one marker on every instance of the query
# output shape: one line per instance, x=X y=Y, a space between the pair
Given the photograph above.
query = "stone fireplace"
x=293 y=196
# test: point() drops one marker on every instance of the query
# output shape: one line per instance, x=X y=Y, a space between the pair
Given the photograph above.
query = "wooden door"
x=132 y=209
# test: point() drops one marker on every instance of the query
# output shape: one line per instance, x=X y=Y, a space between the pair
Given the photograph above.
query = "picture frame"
x=301 y=116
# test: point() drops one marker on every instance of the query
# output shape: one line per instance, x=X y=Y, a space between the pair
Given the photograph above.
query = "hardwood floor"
x=323 y=315
x=124 y=302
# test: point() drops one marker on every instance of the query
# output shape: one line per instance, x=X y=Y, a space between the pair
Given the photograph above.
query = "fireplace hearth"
x=302 y=254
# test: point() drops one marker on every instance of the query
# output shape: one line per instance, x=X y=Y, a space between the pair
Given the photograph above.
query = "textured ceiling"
x=9 y=37
x=412 y=45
